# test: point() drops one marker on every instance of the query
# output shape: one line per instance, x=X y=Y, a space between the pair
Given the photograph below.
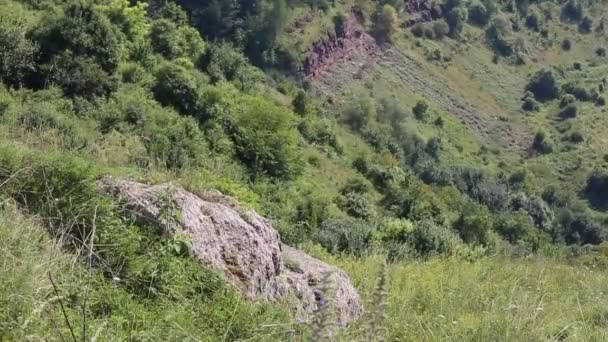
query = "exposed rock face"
x=238 y=242
x=305 y=276
x=337 y=46
x=423 y=11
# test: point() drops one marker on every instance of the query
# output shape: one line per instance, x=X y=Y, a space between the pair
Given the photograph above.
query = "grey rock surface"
x=239 y=243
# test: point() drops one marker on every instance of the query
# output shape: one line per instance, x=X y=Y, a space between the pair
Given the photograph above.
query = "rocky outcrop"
x=239 y=243
x=336 y=46
x=423 y=11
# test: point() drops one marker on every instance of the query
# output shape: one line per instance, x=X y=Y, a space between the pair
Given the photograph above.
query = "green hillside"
x=455 y=168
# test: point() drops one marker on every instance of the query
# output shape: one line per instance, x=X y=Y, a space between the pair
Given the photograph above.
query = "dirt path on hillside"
x=400 y=69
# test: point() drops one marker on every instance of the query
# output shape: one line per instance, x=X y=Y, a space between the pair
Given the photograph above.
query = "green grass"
x=492 y=299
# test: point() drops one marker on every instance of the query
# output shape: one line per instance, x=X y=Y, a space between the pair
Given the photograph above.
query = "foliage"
x=224 y=63
x=358 y=114
x=542 y=144
x=596 y=188
x=174 y=41
x=352 y=237
x=17 y=51
x=387 y=23
x=456 y=18
x=544 y=85
x=176 y=86
x=478 y=14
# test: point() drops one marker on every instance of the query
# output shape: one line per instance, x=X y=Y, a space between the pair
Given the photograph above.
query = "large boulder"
x=239 y=243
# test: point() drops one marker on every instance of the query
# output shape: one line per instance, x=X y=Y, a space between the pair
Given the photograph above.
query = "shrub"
x=356 y=204
x=224 y=63
x=82 y=31
x=580 y=228
x=387 y=23
x=478 y=14
x=424 y=237
x=529 y=103
x=533 y=21
x=499 y=34
x=456 y=18
x=319 y=131
x=176 y=86
x=174 y=41
x=474 y=224
x=573 y=10
x=586 y=25
x=566 y=44
x=576 y=137
x=80 y=76
x=600 y=52
x=440 y=29
x=17 y=52
x=351 y=237
x=418 y=30
x=420 y=109
x=358 y=114
x=569 y=112
x=577 y=91
x=600 y=101
x=513 y=227
x=566 y=100
x=544 y=85
x=265 y=138
x=542 y=143
x=596 y=189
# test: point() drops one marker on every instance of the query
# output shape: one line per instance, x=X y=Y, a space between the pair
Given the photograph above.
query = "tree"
x=387 y=24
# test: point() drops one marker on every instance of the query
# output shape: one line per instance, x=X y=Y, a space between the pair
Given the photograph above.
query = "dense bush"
x=81 y=31
x=359 y=113
x=440 y=29
x=579 y=92
x=569 y=111
x=544 y=85
x=586 y=25
x=573 y=10
x=174 y=41
x=176 y=86
x=387 y=24
x=456 y=18
x=478 y=14
x=350 y=237
x=17 y=51
x=596 y=189
x=474 y=224
x=420 y=109
x=499 y=35
x=566 y=44
x=424 y=237
x=529 y=103
x=542 y=144
x=223 y=62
